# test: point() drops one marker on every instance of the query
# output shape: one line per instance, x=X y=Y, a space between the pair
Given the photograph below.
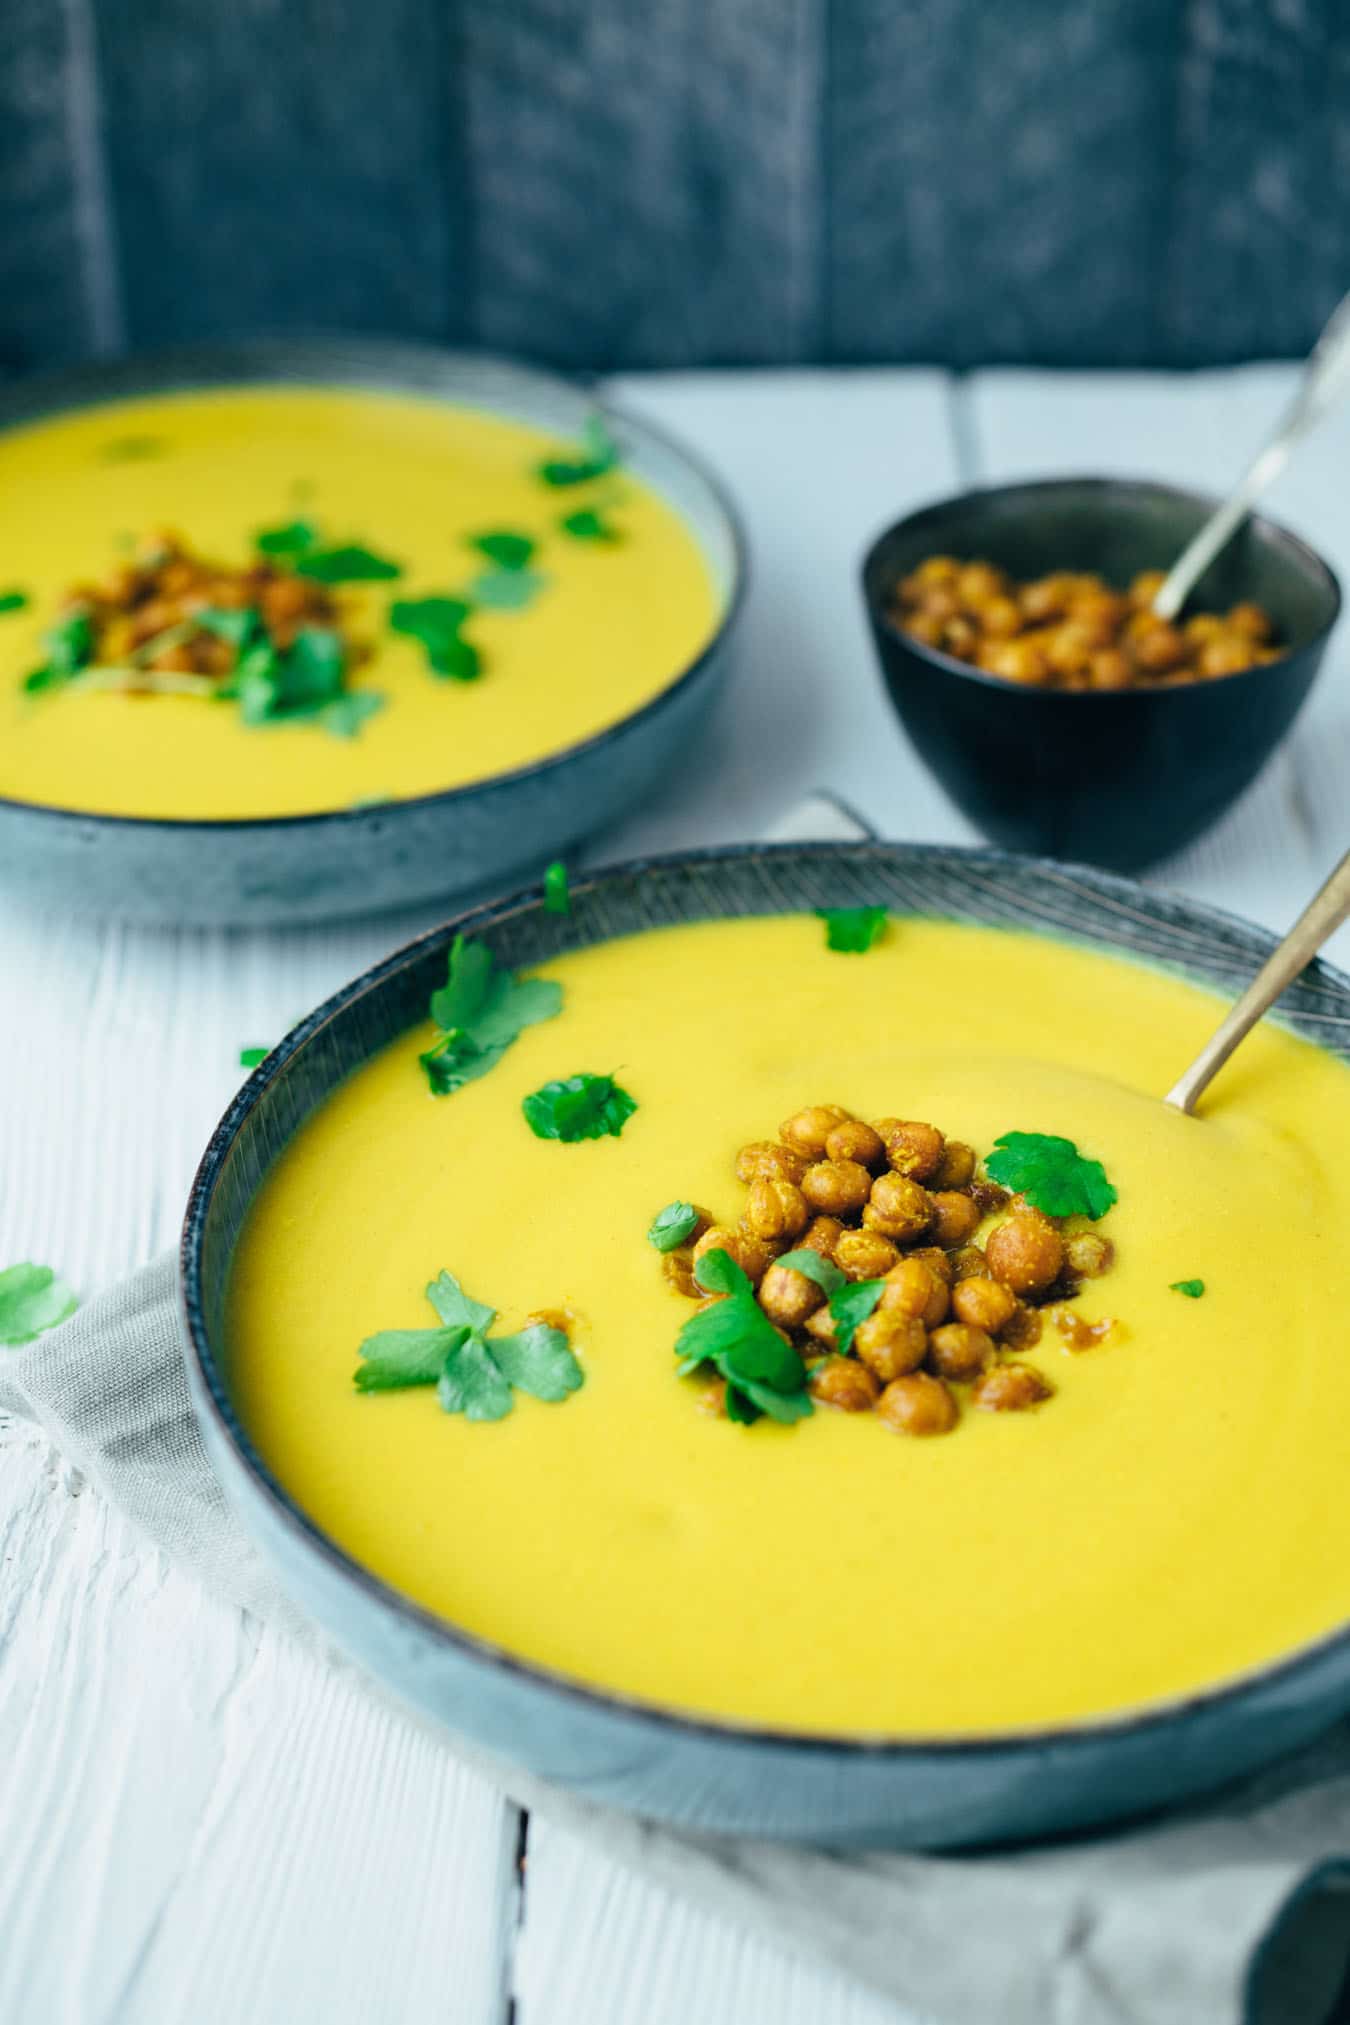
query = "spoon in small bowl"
x=1326 y=376
x=1319 y=919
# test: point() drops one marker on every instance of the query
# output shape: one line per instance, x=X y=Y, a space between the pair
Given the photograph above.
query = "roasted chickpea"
x=1158 y=646
x=927 y=627
x=855 y=1141
x=843 y=1382
x=988 y=1196
x=864 y=1254
x=890 y=1344
x=1110 y=668
x=775 y=1209
x=940 y=603
x=1022 y=1330
x=1046 y=598
x=912 y=1147
x=1226 y=654
x=1001 y=617
x=1018 y=661
x=960 y=636
x=985 y=1304
x=959 y=1350
x=837 y=1187
x=1099 y=611
x=1250 y=619
x=712 y=1397
x=977 y=583
x=956 y=1167
x=808 y=1130
x=1011 y=1388
x=1145 y=587
x=677 y=1267
x=822 y=1235
x=937 y=1261
x=899 y=1208
x=1087 y=1254
x=1202 y=626
x=937 y=569
x=822 y=1326
x=789 y=1297
x=956 y=1218
x=1026 y=1253
x=1069 y=648
x=751 y=1254
x=913 y=1288
x=917 y=1404
x=968 y=1261
x=764 y=1157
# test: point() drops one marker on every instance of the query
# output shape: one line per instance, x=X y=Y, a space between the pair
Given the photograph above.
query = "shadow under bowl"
x=370 y=857
x=1116 y=778
x=657 y=1761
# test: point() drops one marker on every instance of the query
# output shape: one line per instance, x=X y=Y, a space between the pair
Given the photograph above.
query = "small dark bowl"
x=1116 y=778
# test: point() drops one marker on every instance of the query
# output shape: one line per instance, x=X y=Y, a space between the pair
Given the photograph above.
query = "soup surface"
x=1177 y=1512
x=597 y=627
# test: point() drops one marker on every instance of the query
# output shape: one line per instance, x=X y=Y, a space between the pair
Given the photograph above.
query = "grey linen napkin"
x=1235 y=1911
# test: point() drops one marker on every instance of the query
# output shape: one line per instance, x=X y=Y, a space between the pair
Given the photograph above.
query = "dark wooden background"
x=679 y=182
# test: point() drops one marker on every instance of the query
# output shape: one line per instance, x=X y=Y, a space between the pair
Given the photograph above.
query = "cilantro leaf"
x=1192 y=1289
x=740 y=1407
x=507 y=590
x=350 y=564
x=852 y=930
x=850 y=1305
x=436 y=623
x=237 y=627
x=578 y=1107
x=823 y=1271
x=312 y=670
x=294 y=538
x=557 y=896
x=397 y=1358
x=13 y=601
x=480 y=1010
x=783 y=1406
x=735 y=1333
x=471 y=1382
x=588 y=523
x=70 y=647
x=249 y=1058
x=599 y=454
x=346 y=714
x=672 y=1225
x=538 y=1360
x=455 y=1308
x=1051 y=1173
x=504 y=549
x=32 y=1299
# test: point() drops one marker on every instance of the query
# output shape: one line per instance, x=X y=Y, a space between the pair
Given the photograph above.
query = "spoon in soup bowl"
x=1320 y=918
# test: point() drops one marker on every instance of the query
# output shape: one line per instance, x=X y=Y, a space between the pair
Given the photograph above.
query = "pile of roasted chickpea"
x=895 y=1201
x=1071 y=631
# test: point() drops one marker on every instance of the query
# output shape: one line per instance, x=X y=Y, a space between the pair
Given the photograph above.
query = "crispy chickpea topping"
x=896 y=1207
x=1074 y=631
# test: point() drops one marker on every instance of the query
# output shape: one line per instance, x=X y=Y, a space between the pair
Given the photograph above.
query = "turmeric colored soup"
x=1175 y=1514
x=615 y=623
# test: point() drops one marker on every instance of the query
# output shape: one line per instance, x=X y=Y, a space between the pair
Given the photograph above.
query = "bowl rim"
x=210 y=1395
x=1292 y=545
x=243 y=362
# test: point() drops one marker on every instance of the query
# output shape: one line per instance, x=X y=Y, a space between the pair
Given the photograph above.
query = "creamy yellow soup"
x=613 y=624
x=1175 y=1513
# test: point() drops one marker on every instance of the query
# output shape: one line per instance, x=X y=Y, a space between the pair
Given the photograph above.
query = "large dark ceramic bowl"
x=657 y=1761
x=1117 y=778
x=273 y=870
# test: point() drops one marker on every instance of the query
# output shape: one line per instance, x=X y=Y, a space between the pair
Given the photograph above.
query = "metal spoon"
x=1326 y=377
x=1319 y=919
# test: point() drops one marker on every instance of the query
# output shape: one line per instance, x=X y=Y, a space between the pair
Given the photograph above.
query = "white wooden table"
x=198 y=1823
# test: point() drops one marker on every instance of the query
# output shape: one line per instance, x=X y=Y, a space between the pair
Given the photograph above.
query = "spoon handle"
x=1319 y=919
x=1324 y=379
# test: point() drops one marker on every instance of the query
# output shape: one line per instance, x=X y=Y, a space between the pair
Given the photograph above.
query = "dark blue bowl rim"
x=1300 y=551
x=243 y=362
x=210 y=1393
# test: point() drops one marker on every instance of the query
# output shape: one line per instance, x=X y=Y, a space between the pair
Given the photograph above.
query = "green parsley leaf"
x=852 y=930
x=588 y=523
x=1192 y=1289
x=294 y=538
x=737 y=1337
x=599 y=454
x=506 y=550
x=480 y=1010
x=346 y=714
x=507 y=590
x=436 y=623
x=740 y=1407
x=70 y=647
x=850 y=1305
x=1051 y=1173
x=350 y=564
x=672 y=1225
x=783 y=1406
x=472 y=1384
x=249 y=1058
x=578 y=1107
x=824 y=1272
x=557 y=895
x=236 y=627
x=455 y=1308
x=32 y=1299
x=397 y=1358
x=538 y=1360
x=312 y=669
x=13 y=601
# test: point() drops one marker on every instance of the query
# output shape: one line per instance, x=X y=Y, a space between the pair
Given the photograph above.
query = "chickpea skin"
x=937 y=1261
x=750 y=1253
x=913 y=1288
x=984 y=1304
x=1026 y=1253
x=775 y=1209
x=837 y=1187
x=968 y=1263
x=808 y=1130
x=789 y=1297
x=1087 y=1254
x=844 y=1383
x=1022 y=1330
x=898 y=1208
x=864 y=1255
x=678 y=1269
x=956 y=1218
x=890 y=1344
x=763 y=1158
x=912 y=1147
x=855 y=1141
x=958 y=1350
x=1017 y=661
x=957 y=1166
x=917 y=1404
x=822 y=1235
x=1011 y=1388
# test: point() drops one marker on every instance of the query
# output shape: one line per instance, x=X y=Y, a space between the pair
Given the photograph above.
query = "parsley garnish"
x=851 y=930
x=479 y=1011
x=305 y=680
x=70 y=647
x=764 y=1374
x=588 y=523
x=32 y=1299
x=823 y=1271
x=1192 y=1289
x=1051 y=1173
x=579 y=1107
x=599 y=454
x=557 y=896
x=438 y=622
x=850 y=1305
x=672 y=1225
x=474 y=1374
x=294 y=538
x=13 y=601
x=249 y=1058
x=507 y=590
x=504 y=549
x=298 y=543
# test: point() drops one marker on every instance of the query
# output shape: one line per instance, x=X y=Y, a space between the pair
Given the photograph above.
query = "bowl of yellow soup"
x=441 y=1251
x=297 y=630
